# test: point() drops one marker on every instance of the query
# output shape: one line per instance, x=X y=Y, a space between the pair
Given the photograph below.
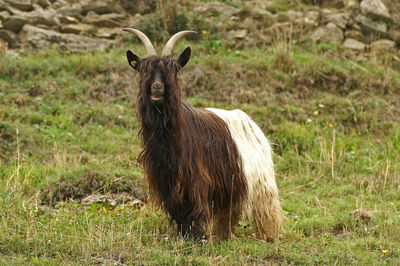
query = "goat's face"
x=158 y=75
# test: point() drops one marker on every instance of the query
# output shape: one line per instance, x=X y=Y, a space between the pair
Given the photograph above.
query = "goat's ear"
x=184 y=57
x=133 y=59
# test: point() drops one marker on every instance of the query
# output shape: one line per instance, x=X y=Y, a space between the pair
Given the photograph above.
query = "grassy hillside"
x=68 y=130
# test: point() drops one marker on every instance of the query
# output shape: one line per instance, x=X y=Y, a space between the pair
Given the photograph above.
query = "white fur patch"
x=262 y=206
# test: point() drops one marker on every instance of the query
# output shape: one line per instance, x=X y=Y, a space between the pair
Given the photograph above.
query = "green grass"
x=68 y=129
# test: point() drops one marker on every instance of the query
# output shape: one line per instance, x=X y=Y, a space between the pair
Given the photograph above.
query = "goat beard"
x=160 y=125
x=162 y=116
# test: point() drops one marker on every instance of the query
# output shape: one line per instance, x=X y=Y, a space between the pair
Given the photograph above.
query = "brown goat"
x=192 y=161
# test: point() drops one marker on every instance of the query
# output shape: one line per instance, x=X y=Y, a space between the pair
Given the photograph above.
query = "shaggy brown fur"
x=190 y=159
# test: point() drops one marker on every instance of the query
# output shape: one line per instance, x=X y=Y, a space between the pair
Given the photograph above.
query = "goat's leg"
x=193 y=227
x=224 y=224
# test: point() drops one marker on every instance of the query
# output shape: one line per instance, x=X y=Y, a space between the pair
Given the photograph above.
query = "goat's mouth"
x=157 y=98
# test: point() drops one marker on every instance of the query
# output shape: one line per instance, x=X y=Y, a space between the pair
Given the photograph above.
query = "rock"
x=217 y=8
x=100 y=7
x=139 y=6
x=37 y=7
x=339 y=19
x=305 y=18
x=262 y=14
x=395 y=36
x=114 y=16
x=42 y=17
x=374 y=9
x=290 y=15
x=355 y=26
x=12 y=54
x=237 y=34
x=74 y=11
x=43 y=3
x=354 y=34
x=329 y=33
x=11 y=10
x=4 y=15
x=311 y=17
x=1 y=24
x=294 y=15
x=44 y=39
x=383 y=45
x=76 y=28
x=25 y=5
x=14 y=23
x=370 y=26
x=106 y=20
x=350 y=3
x=68 y=20
x=134 y=21
x=354 y=45
x=57 y=4
x=10 y=37
x=108 y=33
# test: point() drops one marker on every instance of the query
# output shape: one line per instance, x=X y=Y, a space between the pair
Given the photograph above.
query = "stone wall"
x=96 y=25
x=79 y=26
x=367 y=26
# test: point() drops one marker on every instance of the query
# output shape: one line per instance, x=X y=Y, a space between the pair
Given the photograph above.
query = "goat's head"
x=158 y=74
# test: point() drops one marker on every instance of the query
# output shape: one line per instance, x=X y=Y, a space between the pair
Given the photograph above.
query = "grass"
x=68 y=130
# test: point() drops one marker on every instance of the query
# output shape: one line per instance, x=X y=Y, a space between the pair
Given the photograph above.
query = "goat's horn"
x=145 y=40
x=171 y=42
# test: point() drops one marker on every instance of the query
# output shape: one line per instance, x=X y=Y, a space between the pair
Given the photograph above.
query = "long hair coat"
x=203 y=165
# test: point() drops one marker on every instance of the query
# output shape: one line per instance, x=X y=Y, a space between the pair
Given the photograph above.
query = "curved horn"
x=171 y=42
x=145 y=40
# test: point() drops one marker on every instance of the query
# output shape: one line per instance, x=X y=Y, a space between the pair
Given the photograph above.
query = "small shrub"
x=284 y=60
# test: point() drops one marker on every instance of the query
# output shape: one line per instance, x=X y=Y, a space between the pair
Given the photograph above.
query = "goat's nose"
x=157 y=86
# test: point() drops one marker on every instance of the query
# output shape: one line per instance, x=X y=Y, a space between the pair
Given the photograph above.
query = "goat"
x=203 y=166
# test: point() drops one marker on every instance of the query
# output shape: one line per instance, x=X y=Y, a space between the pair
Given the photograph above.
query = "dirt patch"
x=363 y=215
x=90 y=183
x=113 y=199
x=340 y=228
x=113 y=259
